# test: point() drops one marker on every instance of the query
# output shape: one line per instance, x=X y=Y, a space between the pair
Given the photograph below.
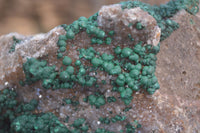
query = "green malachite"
x=132 y=69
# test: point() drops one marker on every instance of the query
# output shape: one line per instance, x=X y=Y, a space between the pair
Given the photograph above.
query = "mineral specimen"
x=95 y=75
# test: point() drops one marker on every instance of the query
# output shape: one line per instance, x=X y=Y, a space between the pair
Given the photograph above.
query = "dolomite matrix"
x=95 y=75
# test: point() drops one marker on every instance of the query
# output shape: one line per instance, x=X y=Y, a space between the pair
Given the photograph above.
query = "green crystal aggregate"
x=15 y=42
x=163 y=13
x=134 y=69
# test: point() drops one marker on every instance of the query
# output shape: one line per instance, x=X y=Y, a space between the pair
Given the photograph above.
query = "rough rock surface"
x=111 y=17
x=30 y=46
x=40 y=45
x=178 y=72
x=173 y=108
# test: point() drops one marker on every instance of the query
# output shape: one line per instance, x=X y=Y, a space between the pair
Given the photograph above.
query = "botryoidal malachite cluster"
x=18 y=117
x=133 y=69
x=10 y=109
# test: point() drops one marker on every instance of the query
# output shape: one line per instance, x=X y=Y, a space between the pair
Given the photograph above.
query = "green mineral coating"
x=113 y=120
x=75 y=26
x=100 y=101
x=67 y=60
x=10 y=109
x=137 y=49
x=111 y=99
x=61 y=43
x=129 y=79
x=151 y=90
x=78 y=63
x=103 y=82
x=130 y=24
x=15 y=42
x=162 y=12
x=21 y=83
x=64 y=76
x=91 y=29
x=121 y=89
x=154 y=80
x=134 y=57
x=82 y=71
x=130 y=37
x=85 y=99
x=130 y=128
x=102 y=130
x=93 y=40
x=91 y=81
x=84 y=128
x=62 y=49
x=42 y=123
x=71 y=101
x=104 y=120
x=127 y=109
x=81 y=80
x=127 y=101
x=115 y=70
x=135 y=87
x=144 y=80
x=192 y=6
x=156 y=49
x=78 y=122
x=101 y=34
x=139 y=26
x=114 y=88
x=83 y=23
x=18 y=117
x=37 y=70
x=70 y=34
x=107 y=57
x=70 y=70
x=126 y=52
x=148 y=70
x=66 y=119
x=63 y=37
x=108 y=40
x=134 y=73
x=99 y=41
x=75 y=103
x=108 y=66
x=68 y=101
x=151 y=56
x=118 y=50
x=118 y=118
x=75 y=131
x=30 y=106
x=92 y=99
x=87 y=53
x=60 y=55
x=126 y=93
x=111 y=33
x=120 y=80
x=156 y=86
x=96 y=100
x=96 y=62
x=138 y=66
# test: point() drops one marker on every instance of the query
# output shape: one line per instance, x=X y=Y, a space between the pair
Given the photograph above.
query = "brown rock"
x=30 y=46
x=174 y=108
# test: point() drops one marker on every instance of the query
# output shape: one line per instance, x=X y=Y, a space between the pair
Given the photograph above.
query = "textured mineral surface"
x=100 y=74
